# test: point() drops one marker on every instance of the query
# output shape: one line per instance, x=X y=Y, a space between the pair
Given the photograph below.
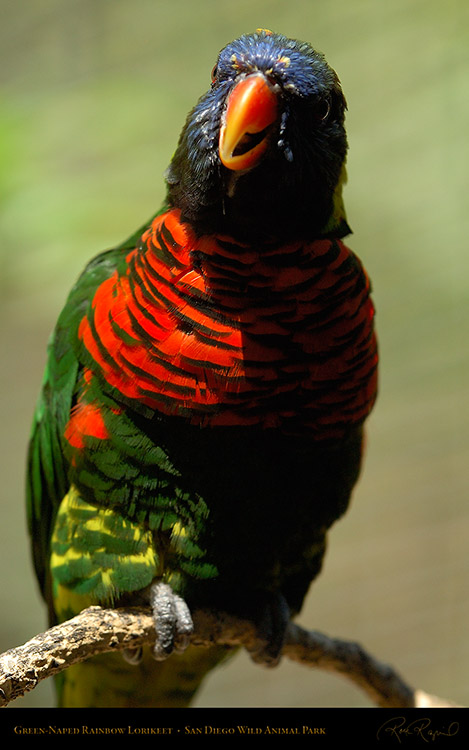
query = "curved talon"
x=173 y=621
x=133 y=655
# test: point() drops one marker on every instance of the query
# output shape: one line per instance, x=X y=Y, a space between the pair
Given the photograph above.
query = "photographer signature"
x=399 y=728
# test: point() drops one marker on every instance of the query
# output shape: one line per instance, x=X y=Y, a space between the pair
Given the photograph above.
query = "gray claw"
x=173 y=621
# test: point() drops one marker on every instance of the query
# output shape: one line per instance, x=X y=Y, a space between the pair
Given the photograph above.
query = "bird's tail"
x=108 y=681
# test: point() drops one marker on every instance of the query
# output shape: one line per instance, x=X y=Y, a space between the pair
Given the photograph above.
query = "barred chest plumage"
x=225 y=334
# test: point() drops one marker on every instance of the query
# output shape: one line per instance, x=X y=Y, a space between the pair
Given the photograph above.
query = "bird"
x=201 y=420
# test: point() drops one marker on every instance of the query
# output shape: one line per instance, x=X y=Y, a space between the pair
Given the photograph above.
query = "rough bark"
x=97 y=630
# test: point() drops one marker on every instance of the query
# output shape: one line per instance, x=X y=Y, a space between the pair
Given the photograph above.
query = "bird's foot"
x=173 y=621
x=271 y=622
x=173 y=624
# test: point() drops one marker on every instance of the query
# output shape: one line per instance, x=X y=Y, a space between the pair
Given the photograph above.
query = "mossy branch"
x=96 y=630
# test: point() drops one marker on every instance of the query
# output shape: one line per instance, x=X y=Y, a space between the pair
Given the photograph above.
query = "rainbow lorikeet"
x=200 y=425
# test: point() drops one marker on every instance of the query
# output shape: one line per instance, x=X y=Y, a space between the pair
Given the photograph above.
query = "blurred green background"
x=93 y=94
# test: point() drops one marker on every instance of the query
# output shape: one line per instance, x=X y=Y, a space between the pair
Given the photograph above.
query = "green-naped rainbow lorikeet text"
x=200 y=425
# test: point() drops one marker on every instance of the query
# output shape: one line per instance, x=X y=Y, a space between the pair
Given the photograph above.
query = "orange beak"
x=251 y=109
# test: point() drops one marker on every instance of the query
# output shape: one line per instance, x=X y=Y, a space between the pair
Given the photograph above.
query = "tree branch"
x=97 y=630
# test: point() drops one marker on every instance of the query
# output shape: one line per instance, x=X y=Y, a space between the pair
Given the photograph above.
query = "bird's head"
x=261 y=156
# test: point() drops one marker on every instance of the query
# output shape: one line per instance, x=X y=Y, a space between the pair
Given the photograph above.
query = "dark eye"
x=322 y=109
x=214 y=72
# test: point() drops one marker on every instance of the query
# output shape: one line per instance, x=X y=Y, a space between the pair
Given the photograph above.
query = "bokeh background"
x=93 y=94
